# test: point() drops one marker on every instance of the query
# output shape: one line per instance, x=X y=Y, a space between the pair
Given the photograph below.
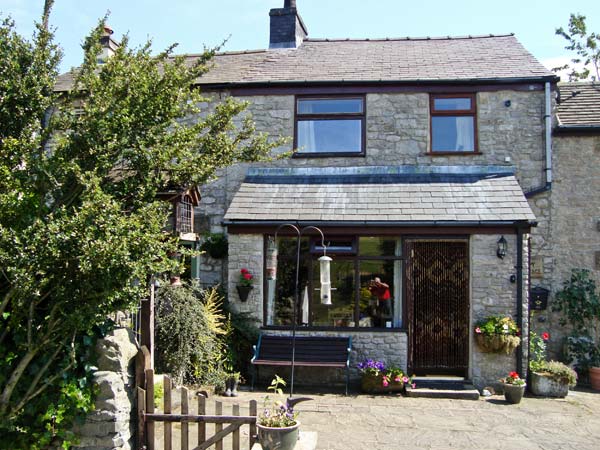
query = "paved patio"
x=395 y=422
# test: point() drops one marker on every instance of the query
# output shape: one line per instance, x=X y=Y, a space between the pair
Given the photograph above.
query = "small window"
x=184 y=222
x=453 y=124
x=330 y=126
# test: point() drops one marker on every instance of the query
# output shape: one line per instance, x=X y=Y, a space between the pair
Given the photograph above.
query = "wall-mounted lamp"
x=502 y=247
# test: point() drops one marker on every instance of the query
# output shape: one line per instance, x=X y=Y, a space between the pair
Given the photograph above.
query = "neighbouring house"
x=431 y=164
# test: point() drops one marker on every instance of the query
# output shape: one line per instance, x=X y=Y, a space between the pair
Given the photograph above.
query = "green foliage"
x=242 y=334
x=190 y=331
x=277 y=414
x=558 y=372
x=586 y=46
x=579 y=302
x=537 y=351
x=494 y=325
x=78 y=219
x=215 y=244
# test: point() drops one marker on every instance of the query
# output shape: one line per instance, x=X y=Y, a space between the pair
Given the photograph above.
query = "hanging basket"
x=497 y=343
x=244 y=292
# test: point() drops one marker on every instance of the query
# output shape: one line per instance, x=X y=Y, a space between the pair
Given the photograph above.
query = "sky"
x=194 y=24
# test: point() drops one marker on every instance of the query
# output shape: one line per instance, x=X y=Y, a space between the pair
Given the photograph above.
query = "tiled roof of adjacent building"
x=380 y=194
x=579 y=104
x=465 y=58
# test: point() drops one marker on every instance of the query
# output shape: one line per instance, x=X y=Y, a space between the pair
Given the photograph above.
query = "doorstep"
x=443 y=387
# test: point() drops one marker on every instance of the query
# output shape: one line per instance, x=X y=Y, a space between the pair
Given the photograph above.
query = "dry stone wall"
x=111 y=426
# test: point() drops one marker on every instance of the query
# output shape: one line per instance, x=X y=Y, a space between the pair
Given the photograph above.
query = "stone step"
x=453 y=388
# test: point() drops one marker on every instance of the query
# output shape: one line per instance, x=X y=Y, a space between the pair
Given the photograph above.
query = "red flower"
x=247 y=276
x=513 y=375
x=244 y=271
x=545 y=335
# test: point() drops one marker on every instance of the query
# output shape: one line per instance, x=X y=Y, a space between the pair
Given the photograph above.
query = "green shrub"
x=190 y=334
x=558 y=372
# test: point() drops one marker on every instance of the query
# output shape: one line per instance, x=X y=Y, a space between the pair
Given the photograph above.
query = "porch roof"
x=379 y=194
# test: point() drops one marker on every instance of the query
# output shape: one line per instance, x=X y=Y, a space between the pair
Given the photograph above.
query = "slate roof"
x=408 y=59
x=380 y=194
x=490 y=57
x=579 y=104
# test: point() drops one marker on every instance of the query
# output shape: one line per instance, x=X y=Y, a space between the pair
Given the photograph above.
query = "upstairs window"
x=331 y=126
x=453 y=124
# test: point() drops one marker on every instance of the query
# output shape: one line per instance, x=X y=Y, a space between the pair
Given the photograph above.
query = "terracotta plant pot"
x=545 y=386
x=513 y=393
x=243 y=292
x=595 y=378
x=284 y=438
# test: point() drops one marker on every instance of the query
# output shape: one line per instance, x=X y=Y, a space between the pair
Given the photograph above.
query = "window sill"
x=340 y=329
x=452 y=153
x=329 y=155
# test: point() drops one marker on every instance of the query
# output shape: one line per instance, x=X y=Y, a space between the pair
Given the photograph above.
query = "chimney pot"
x=109 y=45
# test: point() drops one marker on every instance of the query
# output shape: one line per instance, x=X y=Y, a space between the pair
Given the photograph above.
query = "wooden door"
x=437 y=292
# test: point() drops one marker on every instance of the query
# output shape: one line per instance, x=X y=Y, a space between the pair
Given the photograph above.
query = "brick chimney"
x=109 y=45
x=287 y=28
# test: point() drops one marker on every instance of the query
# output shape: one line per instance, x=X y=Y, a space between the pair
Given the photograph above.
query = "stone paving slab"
x=395 y=422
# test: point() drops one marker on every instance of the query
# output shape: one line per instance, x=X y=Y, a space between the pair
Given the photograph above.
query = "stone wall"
x=568 y=234
x=397 y=133
x=492 y=293
x=111 y=426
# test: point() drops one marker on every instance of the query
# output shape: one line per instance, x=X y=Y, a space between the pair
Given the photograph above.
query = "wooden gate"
x=176 y=423
x=437 y=293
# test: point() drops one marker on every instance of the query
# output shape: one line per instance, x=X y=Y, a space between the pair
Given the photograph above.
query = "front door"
x=437 y=288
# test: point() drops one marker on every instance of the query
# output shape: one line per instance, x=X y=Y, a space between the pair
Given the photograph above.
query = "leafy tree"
x=587 y=47
x=79 y=223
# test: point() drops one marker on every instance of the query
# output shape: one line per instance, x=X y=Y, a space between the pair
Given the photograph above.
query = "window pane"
x=376 y=294
x=451 y=104
x=319 y=136
x=280 y=292
x=452 y=134
x=330 y=106
x=377 y=246
x=341 y=312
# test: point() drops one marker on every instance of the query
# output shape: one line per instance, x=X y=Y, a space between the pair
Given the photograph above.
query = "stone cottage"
x=416 y=158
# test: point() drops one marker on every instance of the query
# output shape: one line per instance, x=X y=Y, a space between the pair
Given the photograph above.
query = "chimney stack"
x=109 y=45
x=287 y=28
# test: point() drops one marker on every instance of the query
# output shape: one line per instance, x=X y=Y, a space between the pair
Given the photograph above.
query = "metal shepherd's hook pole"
x=299 y=233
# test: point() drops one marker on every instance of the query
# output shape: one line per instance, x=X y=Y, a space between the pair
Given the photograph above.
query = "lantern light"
x=502 y=247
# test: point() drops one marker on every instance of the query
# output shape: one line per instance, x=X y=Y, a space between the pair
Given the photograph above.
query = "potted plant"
x=496 y=334
x=548 y=378
x=215 y=244
x=244 y=285
x=376 y=378
x=579 y=301
x=278 y=425
x=514 y=388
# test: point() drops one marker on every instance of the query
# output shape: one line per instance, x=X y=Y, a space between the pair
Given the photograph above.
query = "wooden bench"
x=312 y=351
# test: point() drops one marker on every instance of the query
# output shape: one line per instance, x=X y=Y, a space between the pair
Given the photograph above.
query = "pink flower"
x=478 y=330
x=414 y=385
x=397 y=379
x=405 y=379
x=385 y=383
x=244 y=271
x=247 y=276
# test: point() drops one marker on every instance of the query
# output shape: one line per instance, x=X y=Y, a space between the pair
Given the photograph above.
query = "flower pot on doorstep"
x=595 y=378
x=513 y=393
x=280 y=438
x=243 y=292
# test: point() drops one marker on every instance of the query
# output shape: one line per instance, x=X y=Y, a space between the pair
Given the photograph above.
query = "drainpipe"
x=519 y=268
x=548 y=144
